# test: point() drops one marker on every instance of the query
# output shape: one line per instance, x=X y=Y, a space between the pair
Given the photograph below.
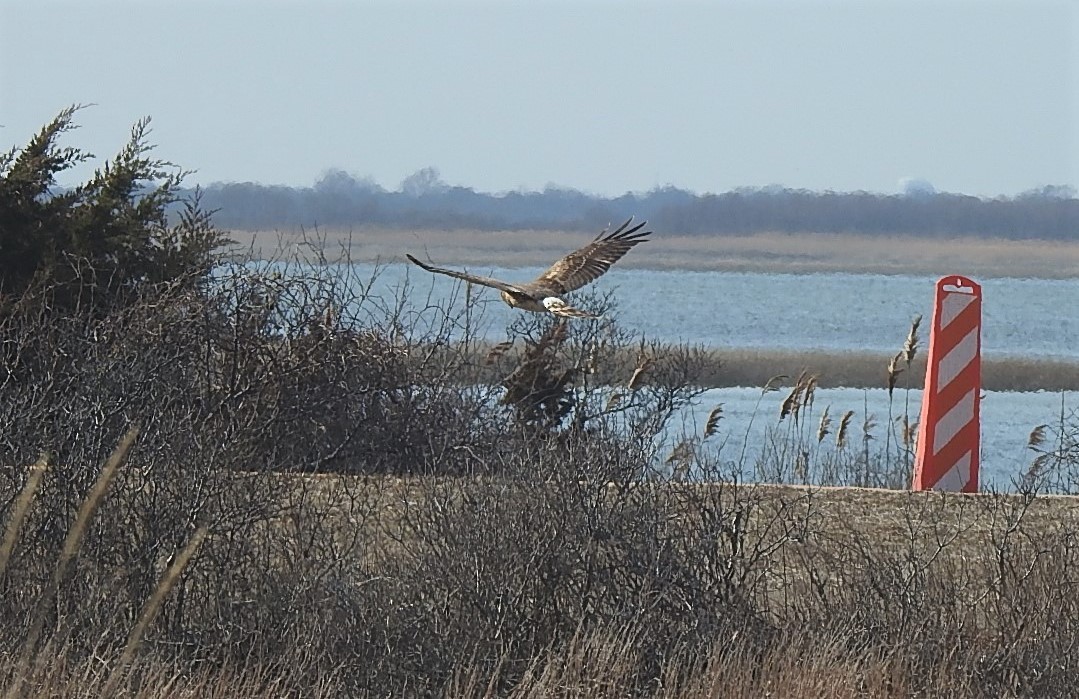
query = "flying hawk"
x=571 y=272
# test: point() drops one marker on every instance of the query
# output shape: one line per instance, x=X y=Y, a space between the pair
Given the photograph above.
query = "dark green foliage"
x=95 y=243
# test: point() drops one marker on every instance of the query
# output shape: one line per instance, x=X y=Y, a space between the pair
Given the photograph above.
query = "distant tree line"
x=424 y=201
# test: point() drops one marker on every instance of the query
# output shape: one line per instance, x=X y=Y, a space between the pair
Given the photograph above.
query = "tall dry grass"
x=20 y=508
x=317 y=504
x=27 y=673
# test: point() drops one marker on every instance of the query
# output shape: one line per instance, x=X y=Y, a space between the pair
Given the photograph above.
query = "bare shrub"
x=376 y=521
x=1055 y=468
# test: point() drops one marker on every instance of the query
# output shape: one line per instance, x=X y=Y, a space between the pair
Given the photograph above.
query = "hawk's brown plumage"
x=573 y=271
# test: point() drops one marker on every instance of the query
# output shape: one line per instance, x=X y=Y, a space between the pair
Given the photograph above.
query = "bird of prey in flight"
x=573 y=271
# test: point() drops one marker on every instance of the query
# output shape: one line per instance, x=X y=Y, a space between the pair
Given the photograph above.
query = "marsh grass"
x=750 y=367
x=20 y=509
x=764 y=252
x=794 y=447
x=67 y=674
x=25 y=670
x=317 y=504
x=44 y=611
x=151 y=608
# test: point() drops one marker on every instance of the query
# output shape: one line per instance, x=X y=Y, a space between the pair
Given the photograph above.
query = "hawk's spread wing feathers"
x=587 y=264
x=482 y=281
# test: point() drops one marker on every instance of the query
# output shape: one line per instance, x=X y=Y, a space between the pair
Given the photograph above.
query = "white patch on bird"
x=553 y=302
x=561 y=308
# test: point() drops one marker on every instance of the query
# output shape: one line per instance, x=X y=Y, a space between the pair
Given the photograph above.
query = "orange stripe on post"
x=947 y=453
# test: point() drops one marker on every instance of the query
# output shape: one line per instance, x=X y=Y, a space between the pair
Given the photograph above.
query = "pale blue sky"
x=607 y=97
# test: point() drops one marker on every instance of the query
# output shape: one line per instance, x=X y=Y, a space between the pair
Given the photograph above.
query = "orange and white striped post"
x=949 y=431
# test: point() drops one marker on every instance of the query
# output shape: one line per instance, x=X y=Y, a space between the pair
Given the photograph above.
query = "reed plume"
x=644 y=364
x=680 y=459
x=72 y=542
x=1037 y=437
x=894 y=370
x=910 y=347
x=867 y=427
x=841 y=434
x=810 y=392
x=150 y=609
x=824 y=429
x=713 y=421
x=22 y=506
x=909 y=431
x=772 y=384
x=793 y=402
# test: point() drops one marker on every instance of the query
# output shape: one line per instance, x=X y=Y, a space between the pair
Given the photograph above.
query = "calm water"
x=868 y=312
x=1007 y=419
x=1021 y=317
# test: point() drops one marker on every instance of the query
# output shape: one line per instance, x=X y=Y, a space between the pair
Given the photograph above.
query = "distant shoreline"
x=774 y=253
x=804 y=253
x=753 y=368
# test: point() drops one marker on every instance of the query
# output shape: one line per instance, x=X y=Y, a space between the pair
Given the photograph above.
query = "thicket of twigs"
x=307 y=500
x=273 y=481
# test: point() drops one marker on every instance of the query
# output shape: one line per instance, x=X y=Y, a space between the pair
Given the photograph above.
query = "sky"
x=979 y=97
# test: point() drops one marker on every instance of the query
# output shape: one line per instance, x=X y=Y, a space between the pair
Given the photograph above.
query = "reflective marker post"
x=949 y=431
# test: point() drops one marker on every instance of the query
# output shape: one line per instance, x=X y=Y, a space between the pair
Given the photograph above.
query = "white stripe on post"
x=947 y=452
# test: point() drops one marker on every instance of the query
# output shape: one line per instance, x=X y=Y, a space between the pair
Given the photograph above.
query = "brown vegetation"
x=315 y=503
x=723 y=368
x=272 y=481
x=761 y=252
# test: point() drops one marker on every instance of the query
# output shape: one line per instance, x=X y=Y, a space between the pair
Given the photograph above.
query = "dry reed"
x=150 y=609
x=21 y=507
x=68 y=552
x=798 y=397
x=1037 y=436
x=680 y=459
x=910 y=347
x=91 y=503
x=909 y=430
x=894 y=370
x=644 y=364
x=824 y=429
x=712 y=423
x=772 y=384
x=841 y=434
x=810 y=392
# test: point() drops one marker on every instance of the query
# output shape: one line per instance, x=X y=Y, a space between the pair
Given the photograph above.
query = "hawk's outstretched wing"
x=587 y=264
x=482 y=281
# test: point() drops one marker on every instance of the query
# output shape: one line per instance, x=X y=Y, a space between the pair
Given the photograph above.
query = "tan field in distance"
x=762 y=252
